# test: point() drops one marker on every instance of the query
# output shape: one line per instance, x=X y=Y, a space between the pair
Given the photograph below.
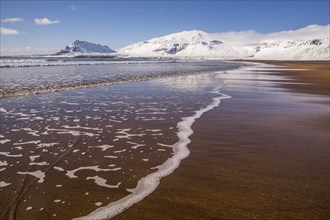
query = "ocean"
x=92 y=140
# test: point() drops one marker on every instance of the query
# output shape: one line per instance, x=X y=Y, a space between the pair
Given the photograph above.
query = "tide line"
x=149 y=183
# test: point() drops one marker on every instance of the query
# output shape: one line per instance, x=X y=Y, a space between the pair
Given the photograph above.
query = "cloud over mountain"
x=251 y=36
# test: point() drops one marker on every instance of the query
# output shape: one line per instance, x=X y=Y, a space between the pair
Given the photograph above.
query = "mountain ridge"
x=79 y=46
x=199 y=44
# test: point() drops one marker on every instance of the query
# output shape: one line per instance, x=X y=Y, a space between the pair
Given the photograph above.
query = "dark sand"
x=264 y=154
x=64 y=131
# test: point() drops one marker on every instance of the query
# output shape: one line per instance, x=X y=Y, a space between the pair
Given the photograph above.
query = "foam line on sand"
x=149 y=184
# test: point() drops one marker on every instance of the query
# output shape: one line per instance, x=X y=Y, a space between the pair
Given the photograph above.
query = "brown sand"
x=254 y=158
x=314 y=80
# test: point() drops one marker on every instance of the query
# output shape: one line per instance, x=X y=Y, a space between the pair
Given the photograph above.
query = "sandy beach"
x=165 y=110
x=104 y=139
x=263 y=154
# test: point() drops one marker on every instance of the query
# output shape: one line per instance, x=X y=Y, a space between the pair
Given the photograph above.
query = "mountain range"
x=309 y=43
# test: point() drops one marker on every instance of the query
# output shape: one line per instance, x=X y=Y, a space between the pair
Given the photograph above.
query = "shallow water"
x=93 y=152
x=32 y=80
x=64 y=154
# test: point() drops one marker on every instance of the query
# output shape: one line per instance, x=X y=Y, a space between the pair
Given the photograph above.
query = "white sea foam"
x=154 y=119
x=102 y=182
x=40 y=83
x=80 y=127
x=4 y=141
x=39 y=163
x=28 y=142
x=154 y=130
x=3 y=110
x=20 y=114
x=7 y=154
x=159 y=134
x=42 y=145
x=73 y=133
x=59 y=168
x=70 y=103
x=136 y=145
x=38 y=174
x=3 y=163
x=33 y=157
x=125 y=134
x=23 y=119
x=43 y=62
x=71 y=173
x=164 y=145
x=103 y=147
x=149 y=183
x=38 y=118
x=98 y=203
x=30 y=131
x=119 y=151
x=111 y=157
x=4 y=184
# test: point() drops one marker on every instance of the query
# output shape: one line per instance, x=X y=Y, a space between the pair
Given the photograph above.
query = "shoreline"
x=27 y=90
x=148 y=184
x=254 y=158
x=106 y=154
x=239 y=148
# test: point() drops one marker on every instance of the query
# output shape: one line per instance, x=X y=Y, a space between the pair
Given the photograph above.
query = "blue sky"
x=120 y=23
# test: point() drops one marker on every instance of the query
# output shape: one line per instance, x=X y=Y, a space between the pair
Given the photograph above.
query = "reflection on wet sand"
x=102 y=139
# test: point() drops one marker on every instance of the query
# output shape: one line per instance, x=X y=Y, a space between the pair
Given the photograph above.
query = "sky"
x=48 y=26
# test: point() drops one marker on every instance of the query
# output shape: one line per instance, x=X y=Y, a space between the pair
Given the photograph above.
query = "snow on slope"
x=85 y=47
x=185 y=44
x=316 y=49
x=302 y=44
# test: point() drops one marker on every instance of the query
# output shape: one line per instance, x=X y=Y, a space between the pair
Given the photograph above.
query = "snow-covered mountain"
x=85 y=47
x=198 y=44
x=186 y=44
x=316 y=49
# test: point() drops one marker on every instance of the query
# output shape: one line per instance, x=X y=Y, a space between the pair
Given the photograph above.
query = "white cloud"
x=12 y=20
x=45 y=21
x=253 y=37
x=245 y=37
x=7 y=31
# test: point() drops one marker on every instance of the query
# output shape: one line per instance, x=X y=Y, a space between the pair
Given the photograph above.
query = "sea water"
x=96 y=151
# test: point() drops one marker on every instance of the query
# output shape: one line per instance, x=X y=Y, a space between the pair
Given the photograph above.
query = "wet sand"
x=314 y=80
x=263 y=154
x=65 y=154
